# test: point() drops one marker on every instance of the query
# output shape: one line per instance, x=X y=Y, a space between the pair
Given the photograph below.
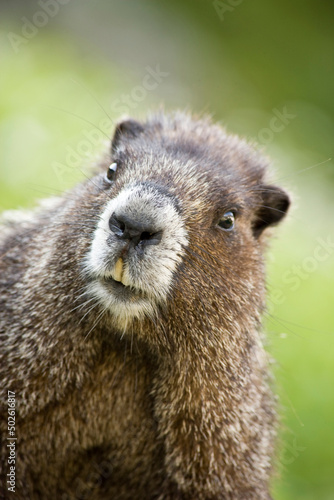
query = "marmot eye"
x=111 y=172
x=227 y=221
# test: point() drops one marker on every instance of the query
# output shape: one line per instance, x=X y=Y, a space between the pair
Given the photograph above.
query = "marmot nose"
x=135 y=231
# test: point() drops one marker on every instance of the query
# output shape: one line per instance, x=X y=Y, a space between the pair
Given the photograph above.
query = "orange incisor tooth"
x=118 y=270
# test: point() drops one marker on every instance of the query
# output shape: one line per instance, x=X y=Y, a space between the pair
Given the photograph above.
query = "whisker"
x=100 y=316
x=271 y=208
x=83 y=304
x=79 y=117
x=84 y=87
x=303 y=170
x=90 y=310
x=313 y=330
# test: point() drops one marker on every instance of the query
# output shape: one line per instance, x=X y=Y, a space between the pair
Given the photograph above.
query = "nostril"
x=146 y=236
x=116 y=225
x=135 y=231
x=150 y=238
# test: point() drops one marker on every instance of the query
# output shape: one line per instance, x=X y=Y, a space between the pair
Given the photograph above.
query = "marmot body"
x=130 y=323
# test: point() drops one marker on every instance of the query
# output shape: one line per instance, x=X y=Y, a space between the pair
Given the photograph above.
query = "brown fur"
x=174 y=407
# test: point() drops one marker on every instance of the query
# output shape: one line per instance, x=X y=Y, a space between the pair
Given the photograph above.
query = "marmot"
x=130 y=323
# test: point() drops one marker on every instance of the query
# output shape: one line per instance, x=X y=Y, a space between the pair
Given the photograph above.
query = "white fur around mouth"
x=124 y=302
x=136 y=284
x=120 y=289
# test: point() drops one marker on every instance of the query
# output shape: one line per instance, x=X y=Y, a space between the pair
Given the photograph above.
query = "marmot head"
x=184 y=208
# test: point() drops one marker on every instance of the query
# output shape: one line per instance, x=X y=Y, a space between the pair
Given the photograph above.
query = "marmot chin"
x=130 y=323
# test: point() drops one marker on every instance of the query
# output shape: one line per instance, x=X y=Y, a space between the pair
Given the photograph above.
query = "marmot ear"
x=125 y=130
x=274 y=205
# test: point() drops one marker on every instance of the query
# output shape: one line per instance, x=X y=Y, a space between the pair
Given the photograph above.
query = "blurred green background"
x=69 y=68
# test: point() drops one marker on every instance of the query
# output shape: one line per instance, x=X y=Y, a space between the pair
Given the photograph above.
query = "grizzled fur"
x=170 y=401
